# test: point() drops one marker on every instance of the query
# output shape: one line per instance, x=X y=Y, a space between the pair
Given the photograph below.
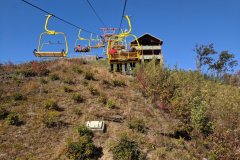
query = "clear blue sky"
x=179 y=23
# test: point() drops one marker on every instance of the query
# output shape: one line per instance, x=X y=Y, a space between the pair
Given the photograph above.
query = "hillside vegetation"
x=156 y=114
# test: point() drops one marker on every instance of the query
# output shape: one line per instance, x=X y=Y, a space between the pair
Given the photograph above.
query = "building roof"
x=148 y=39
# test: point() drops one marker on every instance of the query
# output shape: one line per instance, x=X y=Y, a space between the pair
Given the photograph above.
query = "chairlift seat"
x=123 y=56
x=50 y=54
x=119 y=47
x=98 y=46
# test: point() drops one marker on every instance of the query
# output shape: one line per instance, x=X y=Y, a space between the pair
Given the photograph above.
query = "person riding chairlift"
x=132 y=49
x=78 y=48
x=112 y=51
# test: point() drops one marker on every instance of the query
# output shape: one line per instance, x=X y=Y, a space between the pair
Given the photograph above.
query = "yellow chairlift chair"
x=97 y=43
x=39 y=53
x=116 y=42
x=78 y=47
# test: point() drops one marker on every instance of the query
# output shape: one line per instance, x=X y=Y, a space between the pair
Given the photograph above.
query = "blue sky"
x=179 y=23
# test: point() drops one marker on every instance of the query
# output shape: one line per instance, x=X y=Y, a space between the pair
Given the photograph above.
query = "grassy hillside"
x=165 y=114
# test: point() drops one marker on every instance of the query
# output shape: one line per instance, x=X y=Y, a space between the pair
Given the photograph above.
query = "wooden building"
x=150 y=47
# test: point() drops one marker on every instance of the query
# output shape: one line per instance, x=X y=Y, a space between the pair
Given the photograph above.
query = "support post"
x=111 y=67
x=123 y=68
x=134 y=64
x=118 y=68
x=131 y=66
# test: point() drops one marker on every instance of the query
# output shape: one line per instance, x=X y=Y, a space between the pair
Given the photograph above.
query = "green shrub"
x=126 y=149
x=106 y=82
x=77 y=98
x=54 y=77
x=13 y=119
x=45 y=91
x=3 y=112
x=77 y=69
x=85 y=82
x=93 y=91
x=51 y=105
x=69 y=81
x=15 y=77
x=89 y=75
x=67 y=89
x=77 y=111
x=212 y=156
x=111 y=104
x=200 y=121
x=51 y=119
x=156 y=81
x=119 y=83
x=84 y=131
x=83 y=149
x=138 y=125
x=29 y=73
x=43 y=81
x=18 y=97
x=102 y=99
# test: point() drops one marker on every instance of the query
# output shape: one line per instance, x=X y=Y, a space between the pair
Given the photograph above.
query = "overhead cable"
x=57 y=17
x=95 y=12
x=120 y=26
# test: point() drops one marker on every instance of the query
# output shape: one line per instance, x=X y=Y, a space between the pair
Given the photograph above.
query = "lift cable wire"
x=67 y=22
x=95 y=12
x=122 y=16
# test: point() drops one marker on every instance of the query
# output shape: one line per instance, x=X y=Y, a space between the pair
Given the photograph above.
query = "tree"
x=226 y=61
x=203 y=55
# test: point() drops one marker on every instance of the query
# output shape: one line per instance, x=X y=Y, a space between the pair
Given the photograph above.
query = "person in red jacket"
x=112 y=51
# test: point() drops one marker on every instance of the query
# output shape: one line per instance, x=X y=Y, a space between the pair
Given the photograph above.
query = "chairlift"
x=117 y=46
x=107 y=32
x=39 y=53
x=78 y=47
x=96 y=43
